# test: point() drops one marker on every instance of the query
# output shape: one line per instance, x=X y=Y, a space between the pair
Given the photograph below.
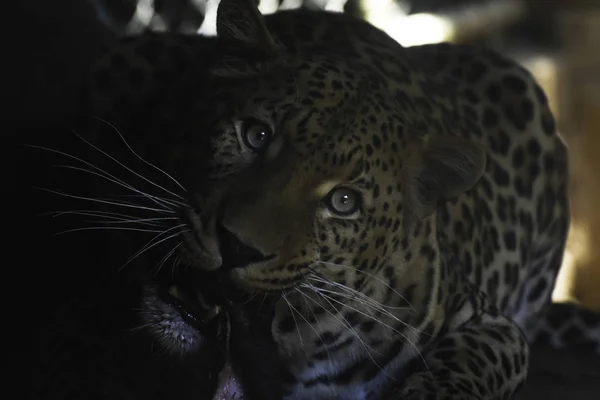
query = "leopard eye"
x=256 y=135
x=343 y=201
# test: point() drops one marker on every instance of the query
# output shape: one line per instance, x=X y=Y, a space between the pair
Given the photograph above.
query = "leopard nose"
x=235 y=253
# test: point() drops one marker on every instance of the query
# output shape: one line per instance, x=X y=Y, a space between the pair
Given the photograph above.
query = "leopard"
x=401 y=213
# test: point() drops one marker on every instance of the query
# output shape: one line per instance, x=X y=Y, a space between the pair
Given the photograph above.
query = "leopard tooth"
x=202 y=300
x=175 y=292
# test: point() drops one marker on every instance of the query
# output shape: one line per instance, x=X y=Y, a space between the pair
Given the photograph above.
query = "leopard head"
x=319 y=179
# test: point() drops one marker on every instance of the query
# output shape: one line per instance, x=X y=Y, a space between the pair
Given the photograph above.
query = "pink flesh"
x=229 y=386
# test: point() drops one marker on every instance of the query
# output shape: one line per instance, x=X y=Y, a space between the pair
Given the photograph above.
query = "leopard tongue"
x=229 y=386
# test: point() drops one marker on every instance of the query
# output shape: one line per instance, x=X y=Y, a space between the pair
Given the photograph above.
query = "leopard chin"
x=186 y=320
x=180 y=320
x=183 y=326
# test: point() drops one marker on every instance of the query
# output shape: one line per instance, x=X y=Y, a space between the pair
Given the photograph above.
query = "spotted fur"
x=433 y=285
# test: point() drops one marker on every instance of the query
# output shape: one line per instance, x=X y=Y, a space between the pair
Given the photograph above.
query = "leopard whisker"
x=126 y=167
x=379 y=322
x=161 y=350
x=377 y=309
x=136 y=329
x=78 y=159
x=292 y=310
x=252 y=297
x=364 y=313
x=177 y=262
x=365 y=300
x=371 y=276
x=105 y=228
x=373 y=305
x=99 y=212
x=317 y=333
x=95 y=169
x=356 y=293
x=173 y=202
x=141 y=158
x=108 y=218
x=150 y=243
x=343 y=321
x=102 y=201
x=160 y=201
x=143 y=221
x=262 y=302
x=162 y=262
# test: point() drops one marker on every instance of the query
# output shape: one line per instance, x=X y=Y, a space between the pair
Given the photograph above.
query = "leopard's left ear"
x=440 y=167
x=245 y=43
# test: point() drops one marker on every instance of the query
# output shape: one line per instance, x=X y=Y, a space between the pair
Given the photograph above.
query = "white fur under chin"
x=169 y=328
x=179 y=338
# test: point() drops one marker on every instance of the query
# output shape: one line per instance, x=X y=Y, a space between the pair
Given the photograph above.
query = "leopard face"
x=319 y=186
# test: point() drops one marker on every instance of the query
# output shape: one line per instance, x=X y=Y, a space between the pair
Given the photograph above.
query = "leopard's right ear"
x=241 y=25
x=246 y=45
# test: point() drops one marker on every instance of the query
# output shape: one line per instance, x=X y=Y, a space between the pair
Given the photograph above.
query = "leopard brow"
x=359 y=167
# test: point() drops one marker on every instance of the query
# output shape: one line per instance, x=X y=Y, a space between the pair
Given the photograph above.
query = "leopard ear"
x=440 y=167
x=241 y=25
x=247 y=47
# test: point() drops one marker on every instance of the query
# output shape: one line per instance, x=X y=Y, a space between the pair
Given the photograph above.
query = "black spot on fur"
x=287 y=324
x=510 y=240
x=518 y=159
x=494 y=93
x=537 y=291
x=548 y=124
x=490 y=118
x=514 y=84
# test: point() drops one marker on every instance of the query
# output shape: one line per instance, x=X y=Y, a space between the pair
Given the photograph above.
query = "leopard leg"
x=565 y=325
x=568 y=325
x=484 y=359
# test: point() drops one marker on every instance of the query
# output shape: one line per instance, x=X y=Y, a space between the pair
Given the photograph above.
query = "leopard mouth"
x=206 y=288
x=199 y=296
x=192 y=306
